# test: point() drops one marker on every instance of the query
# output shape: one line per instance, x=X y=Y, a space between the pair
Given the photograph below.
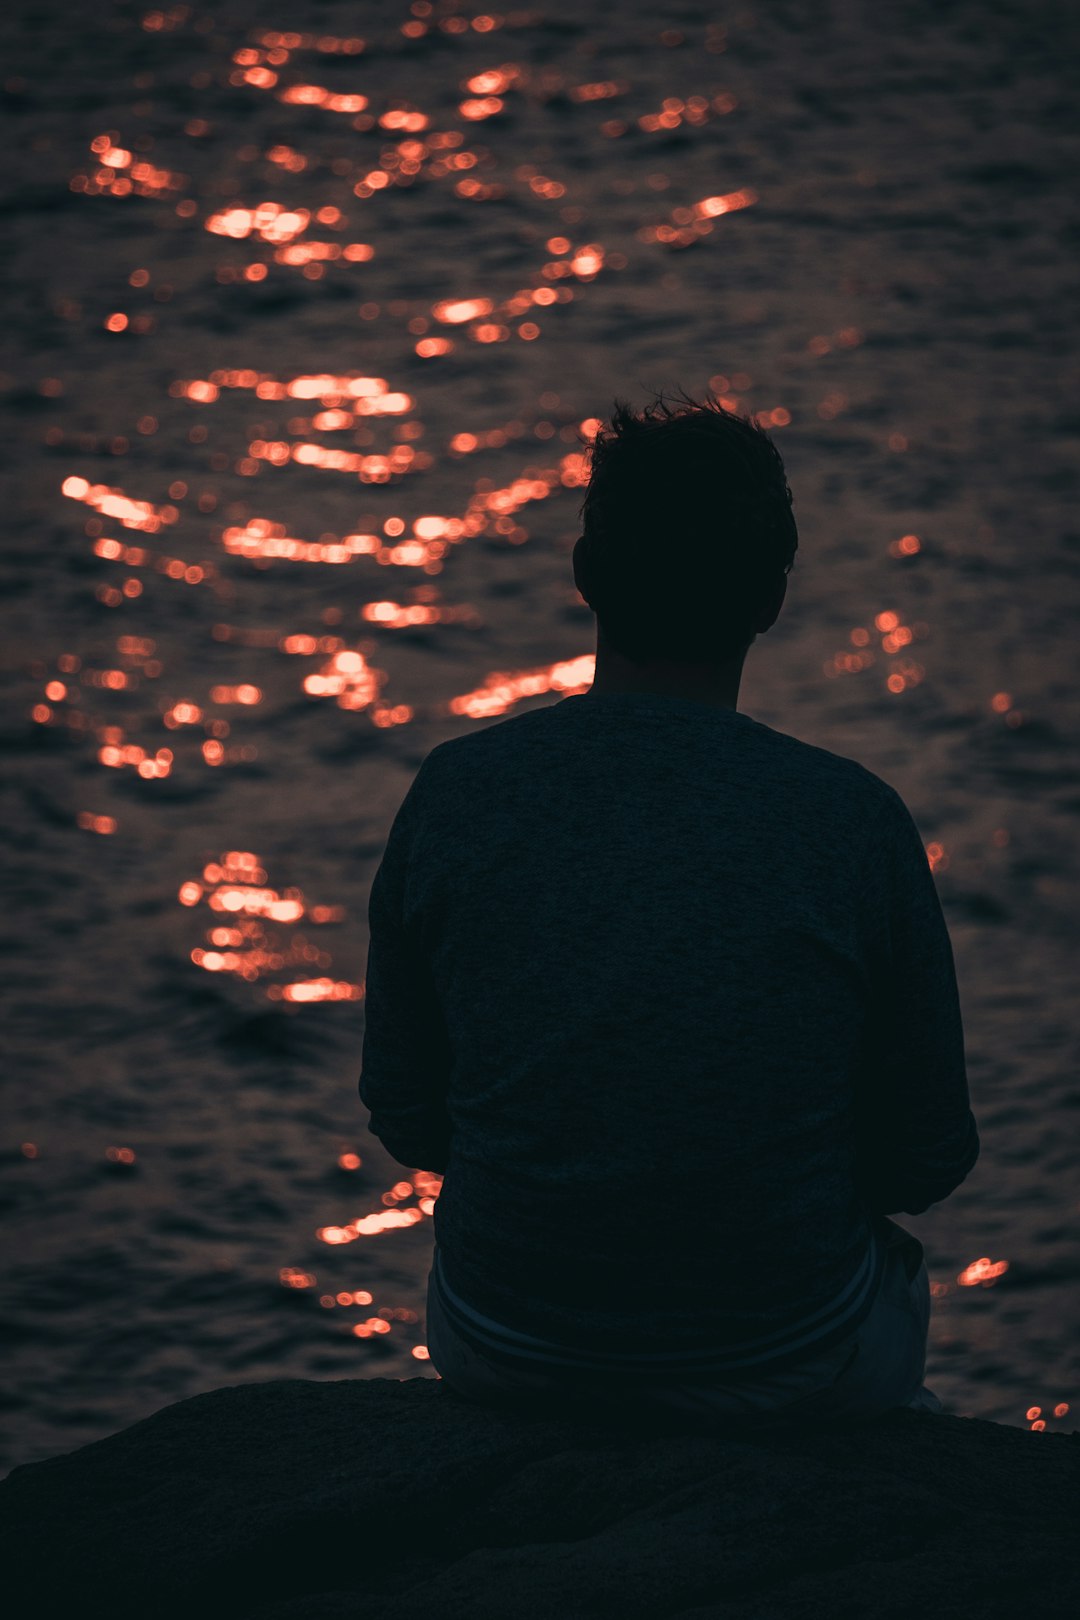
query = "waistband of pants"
x=813 y=1335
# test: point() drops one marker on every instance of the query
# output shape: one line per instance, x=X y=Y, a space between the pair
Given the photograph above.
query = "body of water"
x=312 y=308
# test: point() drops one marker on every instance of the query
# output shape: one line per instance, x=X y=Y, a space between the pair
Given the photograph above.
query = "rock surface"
x=297 y=1500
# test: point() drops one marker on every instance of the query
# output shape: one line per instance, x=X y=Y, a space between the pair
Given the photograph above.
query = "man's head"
x=688 y=533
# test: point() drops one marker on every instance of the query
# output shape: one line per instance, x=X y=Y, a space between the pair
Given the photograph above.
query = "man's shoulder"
x=503 y=735
x=455 y=768
x=839 y=771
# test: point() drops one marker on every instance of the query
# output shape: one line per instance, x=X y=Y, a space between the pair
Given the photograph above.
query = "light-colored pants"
x=877 y=1368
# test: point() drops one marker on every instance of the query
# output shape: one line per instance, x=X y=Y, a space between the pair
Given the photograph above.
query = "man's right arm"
x=916 y=1137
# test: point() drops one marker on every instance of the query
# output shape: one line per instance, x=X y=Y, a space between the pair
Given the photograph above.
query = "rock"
x=298 y=1500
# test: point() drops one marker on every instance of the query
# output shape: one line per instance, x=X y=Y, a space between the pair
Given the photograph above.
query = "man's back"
x=682 y=988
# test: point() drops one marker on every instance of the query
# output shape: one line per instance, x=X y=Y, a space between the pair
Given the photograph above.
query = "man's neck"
x=715 y=685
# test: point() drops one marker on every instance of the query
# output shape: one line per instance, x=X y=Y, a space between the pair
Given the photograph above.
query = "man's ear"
x=772 y=611
x=578 y=564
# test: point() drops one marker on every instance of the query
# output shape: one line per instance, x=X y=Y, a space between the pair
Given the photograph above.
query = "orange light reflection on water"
x=984 y=1271
x=255 y=931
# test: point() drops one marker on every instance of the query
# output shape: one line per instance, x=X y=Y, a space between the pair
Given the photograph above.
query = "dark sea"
x=312 y=309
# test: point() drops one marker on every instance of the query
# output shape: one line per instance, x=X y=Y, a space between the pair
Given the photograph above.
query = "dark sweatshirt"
x=669 y=999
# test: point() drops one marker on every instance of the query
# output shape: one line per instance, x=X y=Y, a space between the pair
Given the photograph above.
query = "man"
x=668 y=998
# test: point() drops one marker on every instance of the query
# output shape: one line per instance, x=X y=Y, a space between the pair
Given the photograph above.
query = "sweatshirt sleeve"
x=916 y=1137
x=405 y=1059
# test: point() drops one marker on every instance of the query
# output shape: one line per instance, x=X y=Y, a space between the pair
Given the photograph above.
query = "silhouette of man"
x=668 y=998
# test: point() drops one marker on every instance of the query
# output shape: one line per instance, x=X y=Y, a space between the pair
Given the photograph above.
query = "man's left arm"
x=405 y=1061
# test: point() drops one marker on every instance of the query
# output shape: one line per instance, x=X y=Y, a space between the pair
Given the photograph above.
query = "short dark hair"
x=687 y=527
